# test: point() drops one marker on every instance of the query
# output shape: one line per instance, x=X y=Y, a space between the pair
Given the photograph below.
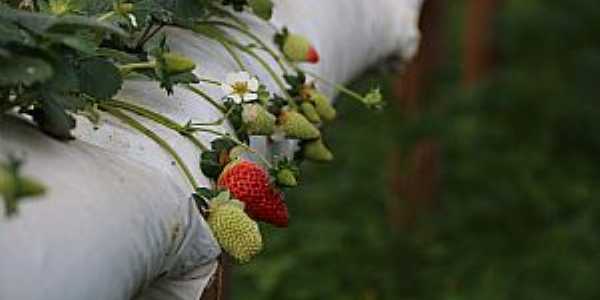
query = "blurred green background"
x=484 y=189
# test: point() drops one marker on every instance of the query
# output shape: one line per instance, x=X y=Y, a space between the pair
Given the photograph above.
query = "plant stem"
x=128 y=68
x=255 y=38
x=236 y=57
x=210 y=81
x=338 y=87
x=217 y=122
x=157 y=118
x=206 y=97
x=105 y=16
x=153 y=136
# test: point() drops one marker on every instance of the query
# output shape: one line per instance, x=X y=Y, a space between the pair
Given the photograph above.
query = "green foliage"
x=517 y=216
x=60 y=57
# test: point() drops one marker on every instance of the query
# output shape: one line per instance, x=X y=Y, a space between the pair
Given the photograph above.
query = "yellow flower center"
x=240 y=88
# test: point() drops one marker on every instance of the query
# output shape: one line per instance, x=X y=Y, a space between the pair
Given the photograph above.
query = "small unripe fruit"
x=296 y=126
x=317 y=151
x=286 y=177
x=323 y=106
x=237 y=234
x=298 y=48
x=309 y=111
x=177 y=63
x=258 y=120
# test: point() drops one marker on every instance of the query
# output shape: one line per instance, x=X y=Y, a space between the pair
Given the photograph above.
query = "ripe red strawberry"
x=250 y=184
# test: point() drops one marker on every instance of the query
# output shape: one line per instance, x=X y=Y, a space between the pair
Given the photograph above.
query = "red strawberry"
x=312 y=56
x=250 y=184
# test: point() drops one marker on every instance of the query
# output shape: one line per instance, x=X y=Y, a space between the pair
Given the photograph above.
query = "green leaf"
x=209 y=164
x=99 y=78
x=43 y=23
x=16 y=69
x=65 y=78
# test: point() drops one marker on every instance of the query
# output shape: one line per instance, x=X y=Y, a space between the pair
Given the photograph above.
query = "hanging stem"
x=105 y=16
x=338 y=87
x=236 y=57
x=210 y=81
x=157 y=118
x=153 y=136
x=272 y=53
x=217 y=122
x=206 y=97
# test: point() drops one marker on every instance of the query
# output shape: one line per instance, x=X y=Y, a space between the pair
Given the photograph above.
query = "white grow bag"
x=117 y=222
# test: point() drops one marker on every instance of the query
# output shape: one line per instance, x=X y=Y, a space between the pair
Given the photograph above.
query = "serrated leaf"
x=43 y=23
x=222 y=144
x=27 y=70
x=65 y=78
x=74 y=42
x=209 y=164
x=99 y=78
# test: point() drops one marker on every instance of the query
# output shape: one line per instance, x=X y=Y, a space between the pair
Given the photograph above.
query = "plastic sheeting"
x=118 y=221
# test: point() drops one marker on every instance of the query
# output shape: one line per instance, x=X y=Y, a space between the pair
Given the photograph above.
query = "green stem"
x=210 y=81
x=128 y=68
x=277 y=58
x=157 y=118
x=217 y=122
x=206 y=97
x=229 y=15
x=236 y=141
x=236 y=57
x=105 y=16
x=337 y=86
x=153 y=136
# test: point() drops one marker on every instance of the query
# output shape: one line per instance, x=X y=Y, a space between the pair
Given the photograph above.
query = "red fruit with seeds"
x=250 y=184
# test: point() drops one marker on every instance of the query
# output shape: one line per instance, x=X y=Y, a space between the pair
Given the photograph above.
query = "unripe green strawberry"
x=7 y=182
x=323 y=105
x=237 y=234
x=298 y=48
x=123 y=8
x=177 y=63
x=19 y=186
x=286 y=177
x=258 y=120
x=309 y=111
x=262 y=8
x=317 y=151
x=296 y=126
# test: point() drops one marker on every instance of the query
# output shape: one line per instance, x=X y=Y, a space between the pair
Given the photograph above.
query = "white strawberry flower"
x=240 y=87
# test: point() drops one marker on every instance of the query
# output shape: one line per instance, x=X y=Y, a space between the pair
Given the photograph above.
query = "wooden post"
x=478 y=45
x=416 y=171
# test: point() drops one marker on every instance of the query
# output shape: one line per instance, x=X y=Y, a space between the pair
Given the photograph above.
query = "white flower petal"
x=132 y=20
x=231 y=78
x=235 y=98
x=253 y=84
x=243 y=76
x=250 y=96
x=227 y=89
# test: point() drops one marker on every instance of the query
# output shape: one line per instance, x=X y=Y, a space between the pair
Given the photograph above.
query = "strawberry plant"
x=62 y=58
